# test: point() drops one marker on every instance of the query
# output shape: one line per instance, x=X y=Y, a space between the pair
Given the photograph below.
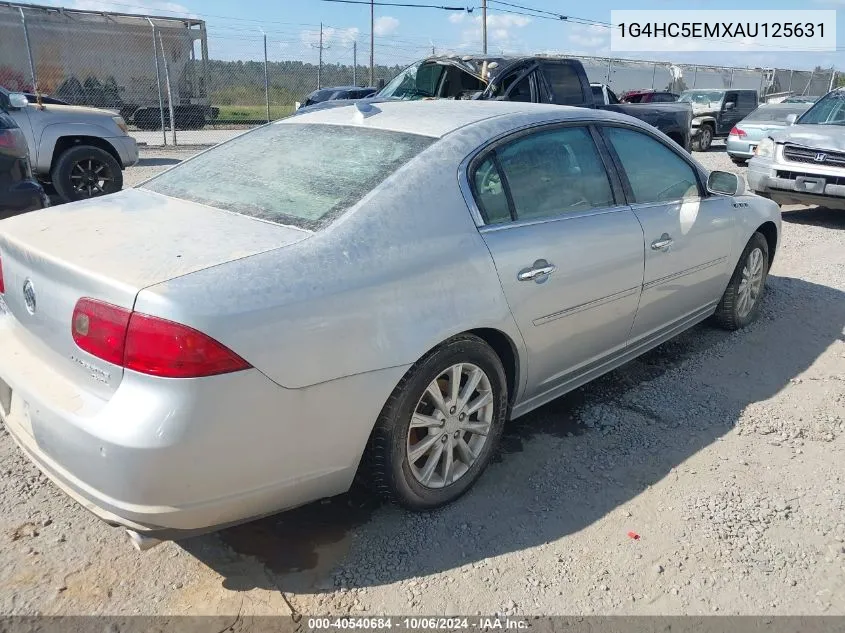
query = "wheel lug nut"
x=443 y=439
x=462 y=417
x=452 y=410
x=456 y=434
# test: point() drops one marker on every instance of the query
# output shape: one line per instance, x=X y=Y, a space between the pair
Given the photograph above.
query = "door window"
x=746 y=101
x=514 y=90
x=565 y=84
x=655 y=172
x=542 y=175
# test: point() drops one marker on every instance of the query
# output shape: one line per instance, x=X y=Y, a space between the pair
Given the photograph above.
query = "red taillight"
x=12 y=139
x=2 y=285
x=149 y=345
x=100 y=329
x=735 y=131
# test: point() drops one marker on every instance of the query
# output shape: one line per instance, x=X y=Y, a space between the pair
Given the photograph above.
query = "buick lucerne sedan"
x=370 y=290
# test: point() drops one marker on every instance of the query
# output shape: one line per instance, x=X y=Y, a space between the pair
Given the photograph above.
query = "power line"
x=399 y=4
x=556 y=16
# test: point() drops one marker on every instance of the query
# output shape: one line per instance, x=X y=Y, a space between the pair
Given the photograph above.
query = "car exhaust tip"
x=142 y=543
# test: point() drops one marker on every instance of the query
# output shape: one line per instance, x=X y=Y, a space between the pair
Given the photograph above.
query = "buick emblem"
x=820 y=157
x=29 y=296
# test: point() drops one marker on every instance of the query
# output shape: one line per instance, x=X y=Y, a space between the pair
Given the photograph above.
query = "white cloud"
x=589 y=38
x=331 y=35
x=385 y=25
x=500 y=31
x=496 y=20
x=140 y=7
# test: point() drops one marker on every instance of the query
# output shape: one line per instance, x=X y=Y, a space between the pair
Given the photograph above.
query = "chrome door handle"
x=663 y=243
x=539 y=271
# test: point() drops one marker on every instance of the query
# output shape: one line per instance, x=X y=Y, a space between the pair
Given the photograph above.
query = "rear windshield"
x=303 y=175
x=776 y=114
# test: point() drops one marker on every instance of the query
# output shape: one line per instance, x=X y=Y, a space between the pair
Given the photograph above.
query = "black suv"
x=19 y=192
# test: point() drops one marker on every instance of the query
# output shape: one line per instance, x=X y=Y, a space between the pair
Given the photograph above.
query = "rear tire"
x=434 y=479
x=740 y=305
x=85 y=171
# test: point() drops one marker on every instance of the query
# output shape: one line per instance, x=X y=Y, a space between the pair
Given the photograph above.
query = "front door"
x=730 y=114
x=568 y=251
x=688 y=235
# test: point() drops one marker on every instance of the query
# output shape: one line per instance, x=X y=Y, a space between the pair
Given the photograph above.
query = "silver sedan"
x=371 y=290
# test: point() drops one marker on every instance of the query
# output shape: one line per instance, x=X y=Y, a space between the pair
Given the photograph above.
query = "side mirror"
x=724 y=183
x=730 y=105
x=791 y=119
x=297 y=105
x=18 y=100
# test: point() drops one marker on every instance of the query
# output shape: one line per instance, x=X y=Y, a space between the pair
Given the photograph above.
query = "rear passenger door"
x=568 y=250
x=688 y=234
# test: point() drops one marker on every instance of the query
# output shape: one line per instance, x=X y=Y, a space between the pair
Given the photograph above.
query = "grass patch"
x=251 y=112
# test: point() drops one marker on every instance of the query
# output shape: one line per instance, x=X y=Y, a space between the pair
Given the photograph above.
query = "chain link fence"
x=177 y=84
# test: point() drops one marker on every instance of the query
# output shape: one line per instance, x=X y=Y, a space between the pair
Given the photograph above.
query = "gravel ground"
x=722 y=453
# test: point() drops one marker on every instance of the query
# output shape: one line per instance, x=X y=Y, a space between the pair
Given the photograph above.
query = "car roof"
x=439 y=117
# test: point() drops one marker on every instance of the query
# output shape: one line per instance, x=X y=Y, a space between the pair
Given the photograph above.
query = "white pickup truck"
x=80 y=151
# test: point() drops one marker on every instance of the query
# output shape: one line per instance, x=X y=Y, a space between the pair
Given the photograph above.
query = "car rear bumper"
x=170 y=458
x=740 y=148
x=795 y=183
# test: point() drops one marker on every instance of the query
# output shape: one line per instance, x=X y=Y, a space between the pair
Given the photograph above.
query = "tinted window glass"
x=490 y=194
x=565 y=84
x=519 y=91
x=598 y=94
x=611 y=96
x=291 y=173
x=663 y=97
x=634 y=98
x=656 y=173
x=554 y=172
x=776 y=113
x=747 y=101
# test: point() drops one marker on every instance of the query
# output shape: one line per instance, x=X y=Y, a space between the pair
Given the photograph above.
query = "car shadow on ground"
x=816 y=216
x=554 y=476
x=157 y=162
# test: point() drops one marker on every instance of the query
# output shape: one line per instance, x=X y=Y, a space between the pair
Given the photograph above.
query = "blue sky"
x=405 y=34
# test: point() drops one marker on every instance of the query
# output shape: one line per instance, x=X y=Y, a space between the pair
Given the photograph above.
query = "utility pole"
x=373 y=42
x=484 y=26
x=320 y=67
x=355 y=63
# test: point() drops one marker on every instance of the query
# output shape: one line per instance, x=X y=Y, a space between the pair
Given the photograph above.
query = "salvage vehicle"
x=804 y=163
x=535 y=79
x=745 y=135
x=338 y=92
x=80 y=151
x=19 y=191
x=648 y=96
x=715 y=112
x=375 y=308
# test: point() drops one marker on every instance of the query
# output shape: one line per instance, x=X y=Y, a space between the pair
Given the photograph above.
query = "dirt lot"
x=724 y=453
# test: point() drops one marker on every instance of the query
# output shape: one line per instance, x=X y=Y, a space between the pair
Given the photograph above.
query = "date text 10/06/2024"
x=418 y=623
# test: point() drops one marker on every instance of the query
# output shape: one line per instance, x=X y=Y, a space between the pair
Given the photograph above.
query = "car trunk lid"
x=110 y=248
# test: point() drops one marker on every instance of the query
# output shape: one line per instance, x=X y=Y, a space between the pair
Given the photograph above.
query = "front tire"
x=704 y=139
x=440 y=428
x=85 y=171
x=740 y=305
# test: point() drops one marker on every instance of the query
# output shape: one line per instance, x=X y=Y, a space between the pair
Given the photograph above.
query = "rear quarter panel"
x=395 y=276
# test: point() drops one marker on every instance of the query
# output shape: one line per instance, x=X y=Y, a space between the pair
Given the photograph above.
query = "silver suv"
x=80 y=151
x=804 y=163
